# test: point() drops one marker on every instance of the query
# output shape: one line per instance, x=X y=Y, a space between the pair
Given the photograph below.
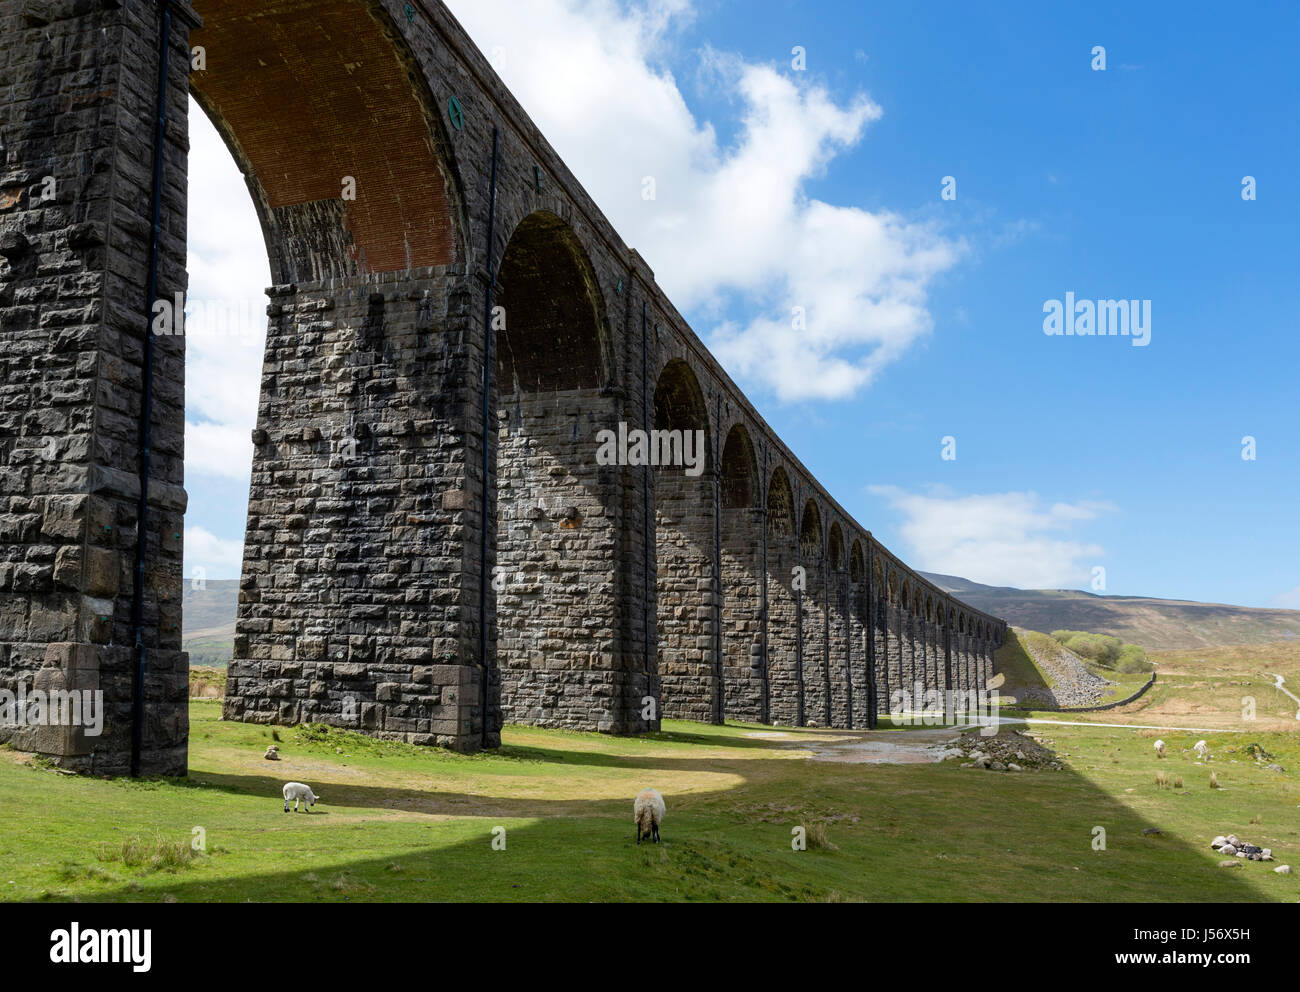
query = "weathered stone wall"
x=841 y=677
x=78 y=86
x=785 y=689
x=558 y=535
x=687 y=594
x=742 y=620
x=354 y=557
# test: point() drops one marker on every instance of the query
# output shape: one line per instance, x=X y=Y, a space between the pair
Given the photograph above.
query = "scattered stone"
x=1228 y=849
x=1013 y=767
x=1282 y=870
x=1151 y=832
x=1000 y=752
x=1229 y=864
x=1218 y=842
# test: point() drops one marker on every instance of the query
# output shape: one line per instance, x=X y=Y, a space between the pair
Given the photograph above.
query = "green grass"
x=402 y=823
x=1013 y=660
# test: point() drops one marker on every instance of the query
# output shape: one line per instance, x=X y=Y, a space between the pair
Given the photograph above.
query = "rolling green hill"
x=1156 y=624
x=209 y=631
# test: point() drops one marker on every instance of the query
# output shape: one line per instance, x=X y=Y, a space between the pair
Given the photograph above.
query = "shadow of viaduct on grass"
x=980 y=836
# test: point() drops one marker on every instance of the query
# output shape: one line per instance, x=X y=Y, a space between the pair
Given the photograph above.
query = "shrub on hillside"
x=1133 y=659
x=1101 y=649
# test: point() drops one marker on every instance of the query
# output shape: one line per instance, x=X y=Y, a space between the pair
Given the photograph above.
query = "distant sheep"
x=296 y=793
x=1160 y=749
x=1202 y=749
x=648 y=812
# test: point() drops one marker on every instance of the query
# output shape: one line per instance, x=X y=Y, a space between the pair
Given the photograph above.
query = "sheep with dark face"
x=648 y=811
x=1160 y=749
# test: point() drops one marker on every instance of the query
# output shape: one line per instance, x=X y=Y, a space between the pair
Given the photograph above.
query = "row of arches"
x=756 y=601
x=718 y=584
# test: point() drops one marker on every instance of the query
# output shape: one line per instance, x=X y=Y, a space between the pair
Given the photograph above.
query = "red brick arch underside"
x=307 y=94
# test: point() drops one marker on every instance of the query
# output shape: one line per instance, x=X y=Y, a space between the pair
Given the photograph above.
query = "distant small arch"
x=835 y=547
x=780 y=505
x=857 y=570
x=739 y=470
x=553 y=334
x=810 y=531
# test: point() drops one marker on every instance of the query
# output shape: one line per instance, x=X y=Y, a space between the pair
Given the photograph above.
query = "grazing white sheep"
x=1202 y=749
x=1160 y=749
x=296 y=793
x=648 y=812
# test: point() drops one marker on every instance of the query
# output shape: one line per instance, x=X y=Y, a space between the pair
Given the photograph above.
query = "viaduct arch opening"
x=353 y=585
x=684 y=551
x=557 y=540
x=813 y=616
x=741 y=554
x=784 y=590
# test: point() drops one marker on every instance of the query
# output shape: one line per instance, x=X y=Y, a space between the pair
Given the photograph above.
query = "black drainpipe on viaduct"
x=146 y=399
x=485 y=501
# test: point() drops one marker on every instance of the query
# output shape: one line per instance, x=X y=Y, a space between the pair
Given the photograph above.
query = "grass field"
x=403 y=823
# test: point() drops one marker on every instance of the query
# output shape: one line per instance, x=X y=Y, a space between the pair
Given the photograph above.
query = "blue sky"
x=925 y=315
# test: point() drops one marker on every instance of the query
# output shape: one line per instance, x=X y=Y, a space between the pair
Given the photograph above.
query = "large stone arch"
x=365 y=224
x=860 y=649
x=783 y=648
x=879 y=615
x=741 y=529
x=557 y=474
x=350 y=171
x=838 y=610
x=928 y=629
x=907 y=636
x=814 y=616
x=685 y=552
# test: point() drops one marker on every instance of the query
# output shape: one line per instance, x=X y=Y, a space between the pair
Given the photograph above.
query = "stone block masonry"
x=425 y=321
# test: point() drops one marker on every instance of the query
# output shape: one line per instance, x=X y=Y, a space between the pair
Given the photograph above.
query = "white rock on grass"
x=1282 y=870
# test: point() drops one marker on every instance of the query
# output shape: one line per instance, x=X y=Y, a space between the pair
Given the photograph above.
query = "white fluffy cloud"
x=730 y=232
x=217 y=556
x=225 y=325
x=1015 y=539
x=731 y=229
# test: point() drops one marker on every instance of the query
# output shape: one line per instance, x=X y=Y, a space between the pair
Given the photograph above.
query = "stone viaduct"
x=433 y=545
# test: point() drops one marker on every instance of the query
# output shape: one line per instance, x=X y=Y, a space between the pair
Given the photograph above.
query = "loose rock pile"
x=1011 y=751
x=1234 y=847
